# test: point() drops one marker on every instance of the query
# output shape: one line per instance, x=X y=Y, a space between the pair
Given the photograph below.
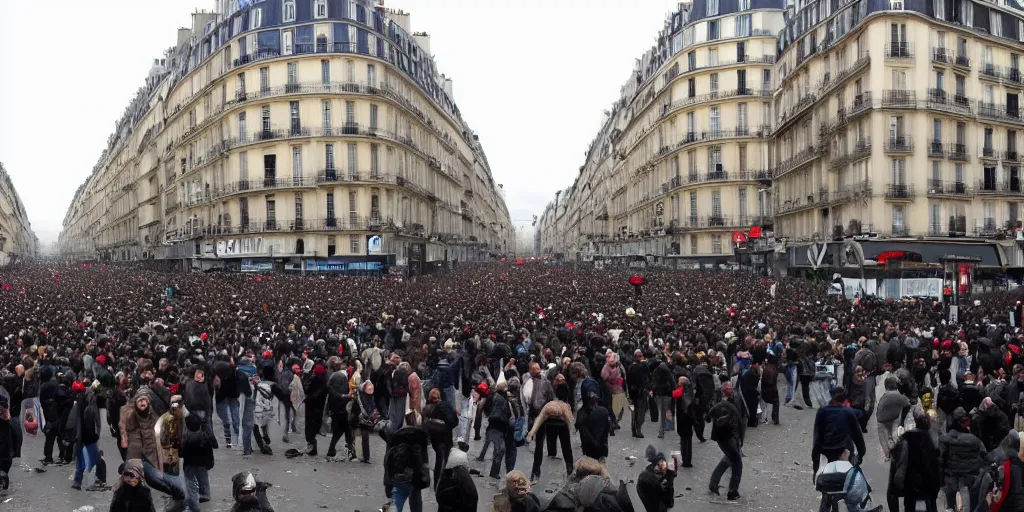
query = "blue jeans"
x=92 y=452
x=247 y=422
x=791 y=382
x=197 y=482
x=230 y=424
x=402 y=492
x=396 y=412
x=162 y=482
x=731 y=459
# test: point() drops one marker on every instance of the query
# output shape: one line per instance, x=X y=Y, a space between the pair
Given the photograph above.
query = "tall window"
x=330 y=206
x=693 y=244
x=353 y=171
x=297 y=163
x=271 y=212
x=264 y=80
x=713 y=26
x=350 y=70
x=331 y=244
x=298 y=208
x=255 y=18
x=743 y=25
x=714 y=84
x=241 y=85
x=742 y=148
x=996 y=23
x=243 y=212
x=691 y=60
x=939 y=9
x=371 y=75
x=716 y=120
x=325 y=108
x=899 y=171
x=693 y=208
x=898 y=224
x=320 y=9
x=350 y=113
x=353 y=212
x=716 y=203
x=715 y=160
x=374 y=161
x=289 y=11
x=296 y=124
x=329 y=156
x=325 y=72
x=373 y=116
x=937 y=130
x=967 y=8
x=293 y=73
x=353 y=242
x=243 y=166
x=744 y=5
x=716 y=244
x=241 y=126
x=741 y=116
x=265 y=118
x=712 y=8
x=743 y=204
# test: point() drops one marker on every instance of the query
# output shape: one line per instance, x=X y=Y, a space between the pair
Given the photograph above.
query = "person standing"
x=655 y=485
x=921 y=479
x=726 y=428
x=890 y=409
x=638 y=378
x=612 y=376
x=197 y=461
x=440 y=420
x=961 y=456
x=316 y=398
x=499 y=429
x=247 y=380
x=10 y=441
x=139 y=437
x=85 y=420
x=836 y=428
x=405 y=461
x=227 y=398
x=169 y=429
x=687 y=414
x=130 y=492
x=749 y=381
x=338 y=397
x=456 y=491
x=594 y=426
x=770 y=384
x=663 y=384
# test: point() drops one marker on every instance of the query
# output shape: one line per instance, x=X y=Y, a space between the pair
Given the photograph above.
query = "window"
x=243 y=166
x=296 y=124
x=371 y=75
x=329 y=156
x=712 y=9
x=961 y=85
x=936 y=171
x=350 y=113
x=289 y=11
x=741 y=116
x=691 y=87
x=743 y=204
x=298 y=208
x=325 y=107
x=241 y=126
x=996 y=23
x=898 y=226
x=716 y=244
x=271 y=212
x=899 y=171
x=352 y=170
x=331 y=247
x=265 y=118
x=712 y=56
x=373 y=116
x=967 y=8
x=693 y=244
x=241 y=84
x=264 y=80
x=353 y=242
x=715 y=160
x=293 y=73
x=714 y=84
x=243 y=212
x=937 y=130
x=741 y=81
x=940 y=80
x=287 y=37
x=713 y=26
x=744 y=5
x=325 y=72
x=716 y=120
x=330 y=206
x=1020 y=30
x=374 y=161
x=742 y=158
x=350 y=70
x=939 y=6
x=320 y=9
x=693 y=207
x=297 y=162
x=988 y=139
x=255 y=18
x=353 y=212
x=743 y=25
x=691 y=60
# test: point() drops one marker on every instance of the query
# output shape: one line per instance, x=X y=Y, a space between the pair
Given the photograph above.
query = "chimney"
x=183 y=34
x=423 y=40
x=447 y=86
x=402 y=18
x=199 y=21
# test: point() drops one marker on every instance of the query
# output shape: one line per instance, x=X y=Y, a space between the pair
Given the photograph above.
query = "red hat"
x=101 y=359
x=319 y=370
x=203 y=336
x=296 y=369
x=77 y=386
x=268 y=355
x=935 y=343
x=482 y=388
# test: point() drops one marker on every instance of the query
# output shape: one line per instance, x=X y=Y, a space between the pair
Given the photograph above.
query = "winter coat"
x=655 y=489
x=456 y=491
x=961 y=453
x=594 y=424
x=499 y=412
x=588 y=495
x=140 y=431
x=638 y=379
x=405 y=459
x=132 y=499
x=923 y=458
x=990 y=425
x=663 y=383
x=726 y=421
x=770 y=383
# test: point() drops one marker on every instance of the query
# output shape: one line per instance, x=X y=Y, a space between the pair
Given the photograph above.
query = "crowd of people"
x=490 y=358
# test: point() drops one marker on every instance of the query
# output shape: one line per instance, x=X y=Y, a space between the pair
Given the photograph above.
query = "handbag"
x=830 y=483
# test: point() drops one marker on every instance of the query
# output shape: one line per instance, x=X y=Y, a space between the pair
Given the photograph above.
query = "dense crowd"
x=502 y=356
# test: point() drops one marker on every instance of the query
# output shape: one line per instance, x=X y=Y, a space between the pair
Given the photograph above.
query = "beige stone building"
x=292 y=135
x=17 y=241
x=683 y=159
x=900 y=124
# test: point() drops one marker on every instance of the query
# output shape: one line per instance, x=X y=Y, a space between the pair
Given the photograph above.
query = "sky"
x=531 y=77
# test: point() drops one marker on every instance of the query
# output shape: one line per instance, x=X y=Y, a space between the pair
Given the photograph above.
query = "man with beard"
x=138 y=436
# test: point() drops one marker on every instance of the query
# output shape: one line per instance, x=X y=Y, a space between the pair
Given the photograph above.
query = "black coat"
x=922 y=476
x=961 y=453
x=132 y=499
x=655 y=490
x=456 y=491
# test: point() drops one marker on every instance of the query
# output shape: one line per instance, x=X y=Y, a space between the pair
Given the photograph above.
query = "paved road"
x=777 y=474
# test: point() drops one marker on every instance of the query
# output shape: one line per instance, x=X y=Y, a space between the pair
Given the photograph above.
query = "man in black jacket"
x=664 y=383
x=85 y=416
x=726 y=427
x=52 y=398
x=836 y=429
x=227 y=398
x=638 y=381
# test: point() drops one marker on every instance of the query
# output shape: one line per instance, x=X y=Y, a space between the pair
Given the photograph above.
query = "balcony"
x=998 y=112
x=861 y=149
x=900 y=192
x=962 y=61
x=988 y=153
x=899 y=50
x=957 y=152
x=942 y=55
x=861 y=103
x=801 y=158
x=993 y=187
x=715 y=222
x=948 y=188
x=899 y=230
x=935 y=149
x=256 y=57
x=938 y=99
x=985 y=227
x=990 y=71
x=899 y=144
x=271 y=183
x=899 y=98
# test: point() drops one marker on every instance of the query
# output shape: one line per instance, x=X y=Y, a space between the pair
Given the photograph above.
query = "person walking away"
x=130 y=492
x=264 y=391
x=749 y=380
x=861 y=397
x=770 y=383
x=456 y=491
x=197 y=461
x=338 y=398
x=919 y=478
x=961 y=457
x=638 y=378
x=655 y=484
x=52 y=399
x=10 y=441
x=406 y=473
x=687 y=414
x=316 y=398
x=499 y=428
x=890 y=411
x=198 y=393
x=836 y=429
x=440 y=420
x=398 y=390
x=85 y=422
x=612 y=375
x=247 y=377
x=139 y=437
x=594 y=426
x=226 y=397
x=554 y=416
x=663 y=384
x=726 y=425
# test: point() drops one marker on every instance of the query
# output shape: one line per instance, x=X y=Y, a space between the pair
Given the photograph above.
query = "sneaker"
x=76 y=486
x=714 y=490
x=228 y=445
x=732 y=496
x=331 y=453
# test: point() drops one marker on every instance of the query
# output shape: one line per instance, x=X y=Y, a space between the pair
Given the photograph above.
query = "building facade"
x=294 y=134
x=17 y=241
x=682 y=160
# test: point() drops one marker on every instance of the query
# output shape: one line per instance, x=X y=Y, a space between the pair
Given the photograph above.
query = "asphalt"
x=776 y=473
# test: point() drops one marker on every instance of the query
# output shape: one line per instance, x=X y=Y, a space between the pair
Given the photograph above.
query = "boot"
x=76 y=486
x=5 y=481
x=264 y=449
x=331 y=452
x=311 y=449
x=733 y=495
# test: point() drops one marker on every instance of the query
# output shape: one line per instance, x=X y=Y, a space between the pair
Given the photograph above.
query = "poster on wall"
x=374 y=244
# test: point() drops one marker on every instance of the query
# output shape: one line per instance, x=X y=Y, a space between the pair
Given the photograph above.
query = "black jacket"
x=655 y=490
x=726 y=421
x=961 y=453
x=456 y=491
x=922 y=475
x=836 y=426
x=499 y=413
x=638 y=379
x=990 y=425
x=132 y=499
x=405 y=458
x=663 y=382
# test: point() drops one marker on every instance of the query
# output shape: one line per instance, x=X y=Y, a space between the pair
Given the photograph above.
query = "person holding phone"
x=655 y=484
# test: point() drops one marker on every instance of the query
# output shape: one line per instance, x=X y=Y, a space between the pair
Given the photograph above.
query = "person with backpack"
x=914 y=471
x=962 y=456
x=406 y=471
x=264 y=391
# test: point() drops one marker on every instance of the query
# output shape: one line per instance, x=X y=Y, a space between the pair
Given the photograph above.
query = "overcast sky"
x=531 y=77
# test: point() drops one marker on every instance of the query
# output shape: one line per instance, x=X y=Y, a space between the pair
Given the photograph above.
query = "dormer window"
x=320 y=9
x=289 y=11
